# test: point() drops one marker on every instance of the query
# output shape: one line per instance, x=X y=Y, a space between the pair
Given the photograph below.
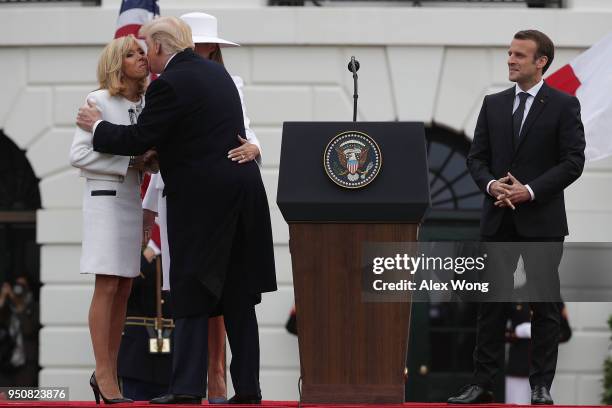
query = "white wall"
x=417 y=64
x=589 y=4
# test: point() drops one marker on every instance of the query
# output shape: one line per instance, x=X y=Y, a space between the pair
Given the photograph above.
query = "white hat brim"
x=197 y=39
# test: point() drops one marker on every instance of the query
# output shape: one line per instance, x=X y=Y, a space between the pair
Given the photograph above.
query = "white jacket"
x=94 y=165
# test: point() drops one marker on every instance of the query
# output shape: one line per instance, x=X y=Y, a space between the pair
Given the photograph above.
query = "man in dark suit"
x=193 y=117
x=528 y=147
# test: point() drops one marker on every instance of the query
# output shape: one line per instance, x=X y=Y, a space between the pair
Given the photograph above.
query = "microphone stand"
x=354 y=66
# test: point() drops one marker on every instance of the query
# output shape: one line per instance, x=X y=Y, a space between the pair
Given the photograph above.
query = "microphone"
x=132 y=114
x=353 y=66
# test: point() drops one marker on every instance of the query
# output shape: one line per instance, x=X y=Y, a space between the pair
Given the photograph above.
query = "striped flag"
x=589 y=78
x=133 y=14
x=352 y=166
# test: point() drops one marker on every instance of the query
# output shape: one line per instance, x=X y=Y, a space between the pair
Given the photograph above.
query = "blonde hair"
x=172 y=33
x=110 y=73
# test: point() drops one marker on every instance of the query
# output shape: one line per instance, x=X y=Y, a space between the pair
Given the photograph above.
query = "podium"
x=343 y=184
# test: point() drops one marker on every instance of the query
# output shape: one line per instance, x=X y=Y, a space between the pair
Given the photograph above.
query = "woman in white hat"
x=208 y=44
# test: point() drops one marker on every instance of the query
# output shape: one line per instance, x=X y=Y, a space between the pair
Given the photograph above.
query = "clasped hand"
x=509 y=192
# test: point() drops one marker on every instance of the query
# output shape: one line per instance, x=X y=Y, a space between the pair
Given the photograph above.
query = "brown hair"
x=110 y=74
x=217 y=56
x=545 y=46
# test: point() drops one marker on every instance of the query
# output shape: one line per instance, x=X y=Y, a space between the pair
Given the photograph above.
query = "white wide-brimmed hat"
x=204 y=29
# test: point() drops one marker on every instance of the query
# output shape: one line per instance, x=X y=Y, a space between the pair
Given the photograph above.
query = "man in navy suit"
x=528 y=147
x=193 y=117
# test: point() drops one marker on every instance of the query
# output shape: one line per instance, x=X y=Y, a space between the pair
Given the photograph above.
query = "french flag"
x=133 y=14
x=589 y=78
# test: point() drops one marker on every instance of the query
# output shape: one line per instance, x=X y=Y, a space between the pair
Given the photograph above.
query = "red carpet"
x=265 y=404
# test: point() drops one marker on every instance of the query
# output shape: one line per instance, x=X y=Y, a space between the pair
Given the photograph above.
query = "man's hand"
x=245 y=153
x=516 y=193
x=499 y=189
x=87 y=116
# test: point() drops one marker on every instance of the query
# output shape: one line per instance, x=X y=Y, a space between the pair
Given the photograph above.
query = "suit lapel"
x=508 y=103
x=539 y=102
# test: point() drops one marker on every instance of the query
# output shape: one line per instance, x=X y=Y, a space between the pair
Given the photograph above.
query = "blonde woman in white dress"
x=112 y=212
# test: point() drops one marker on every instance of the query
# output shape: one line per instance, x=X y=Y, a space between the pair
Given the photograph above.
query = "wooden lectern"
x=351 y=351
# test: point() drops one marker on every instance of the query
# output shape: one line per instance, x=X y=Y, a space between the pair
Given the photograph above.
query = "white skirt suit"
x=112 y=209
x=156 y=202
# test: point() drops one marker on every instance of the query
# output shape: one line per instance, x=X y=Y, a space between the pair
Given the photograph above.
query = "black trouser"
x=190 y=351
x=541 y=268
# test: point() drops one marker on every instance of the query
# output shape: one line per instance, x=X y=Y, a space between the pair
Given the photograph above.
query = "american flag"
x=133 y=14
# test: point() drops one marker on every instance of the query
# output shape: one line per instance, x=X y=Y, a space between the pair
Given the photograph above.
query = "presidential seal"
x=352 y=159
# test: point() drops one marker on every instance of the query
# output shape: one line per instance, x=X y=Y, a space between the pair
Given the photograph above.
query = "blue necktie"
x=517 y=117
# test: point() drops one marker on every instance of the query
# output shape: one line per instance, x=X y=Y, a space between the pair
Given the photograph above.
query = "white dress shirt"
x=533 y=91
x=532 y=94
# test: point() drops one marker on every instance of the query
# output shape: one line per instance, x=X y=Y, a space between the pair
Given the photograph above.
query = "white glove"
x=151 y=244
x=523 y=330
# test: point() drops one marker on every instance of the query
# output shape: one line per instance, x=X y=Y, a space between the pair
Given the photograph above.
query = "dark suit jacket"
x=193 y=116
x=549 y=157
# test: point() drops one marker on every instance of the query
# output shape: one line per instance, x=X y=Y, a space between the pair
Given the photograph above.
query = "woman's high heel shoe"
x=97 y=393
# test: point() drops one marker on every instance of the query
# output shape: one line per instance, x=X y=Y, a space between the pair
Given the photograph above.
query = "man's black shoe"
x=472 y=394
x=177 y=399
x=540 y=396
x=244 y=399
